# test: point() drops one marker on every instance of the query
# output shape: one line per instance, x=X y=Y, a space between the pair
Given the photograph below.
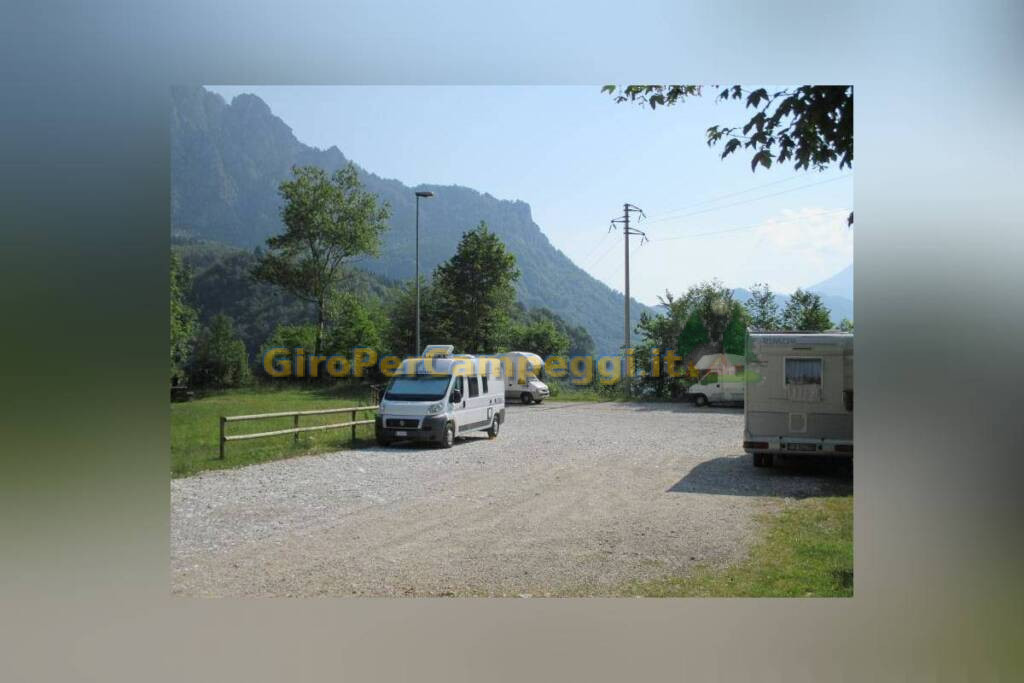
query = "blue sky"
x=575 y=156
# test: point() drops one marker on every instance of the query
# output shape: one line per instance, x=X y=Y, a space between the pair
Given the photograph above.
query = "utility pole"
x=626 y=232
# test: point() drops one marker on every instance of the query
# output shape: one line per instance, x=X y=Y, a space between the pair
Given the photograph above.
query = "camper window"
x=484 y=380
x=474 y=388
x=803 y=371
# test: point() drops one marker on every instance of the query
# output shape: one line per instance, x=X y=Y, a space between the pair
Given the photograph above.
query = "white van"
x=721 y=379
x=799 y=395
x=440 y=397
x=521 y=380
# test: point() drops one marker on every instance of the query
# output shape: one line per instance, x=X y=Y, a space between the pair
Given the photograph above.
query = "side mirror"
x=456 y=396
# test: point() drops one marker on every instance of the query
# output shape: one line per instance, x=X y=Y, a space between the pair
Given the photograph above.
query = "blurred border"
x=85 y=188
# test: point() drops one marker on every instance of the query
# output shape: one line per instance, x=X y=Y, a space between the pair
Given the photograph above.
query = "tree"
x=541 y=337
x=763 y=309
x=845 y=325
x=475 y=290
x=400 y=331
x=734 y=340
x=183 y=317
x=353 y=323
x=809 y=125
x=713 y=302
x=580 y=343
x=220 y=357
x=806 y=313
x=327 y=221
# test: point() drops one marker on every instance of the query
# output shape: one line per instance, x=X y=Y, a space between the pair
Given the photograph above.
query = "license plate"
x=401 y=433
x=801 y=447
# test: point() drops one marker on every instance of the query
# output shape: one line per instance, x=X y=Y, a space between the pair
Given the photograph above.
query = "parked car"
x=720 y=379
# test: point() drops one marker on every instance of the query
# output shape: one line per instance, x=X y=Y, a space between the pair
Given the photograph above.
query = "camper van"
x=440 y=397
x=521 y=380
x=799 y=395
x=720 y=379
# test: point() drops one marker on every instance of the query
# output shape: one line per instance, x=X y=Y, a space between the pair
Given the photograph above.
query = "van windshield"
x=418 y=388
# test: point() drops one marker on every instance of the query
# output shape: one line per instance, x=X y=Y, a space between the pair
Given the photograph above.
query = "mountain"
x=840 y=284
x=227 y=160
x=839 y=307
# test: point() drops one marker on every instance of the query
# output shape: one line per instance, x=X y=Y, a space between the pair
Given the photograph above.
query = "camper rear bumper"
x=797 y=446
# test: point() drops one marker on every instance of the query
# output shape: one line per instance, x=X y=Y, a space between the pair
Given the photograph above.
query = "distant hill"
x=840 y=285
x=228 y=159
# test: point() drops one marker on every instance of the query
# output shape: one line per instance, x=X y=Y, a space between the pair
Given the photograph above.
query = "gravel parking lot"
x=570 y=499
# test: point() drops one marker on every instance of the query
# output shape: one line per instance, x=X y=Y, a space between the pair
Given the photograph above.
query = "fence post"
x=223 y=442
x=295 y=422
x=353 y=427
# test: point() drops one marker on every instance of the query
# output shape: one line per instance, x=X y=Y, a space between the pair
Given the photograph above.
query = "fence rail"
x=296 y=429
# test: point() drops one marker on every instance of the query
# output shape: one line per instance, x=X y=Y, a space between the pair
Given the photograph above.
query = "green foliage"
x=763 y=309
x=400 y=330
x=475 y=291
x=810 y=125
x=734 y=339
x=353 y=323
x=327 y=221
x=713 y=302
x=183 y=317
x=806 y=313
x=540 y=337
x=845 y=325
x=220 y=357
x=693 y=336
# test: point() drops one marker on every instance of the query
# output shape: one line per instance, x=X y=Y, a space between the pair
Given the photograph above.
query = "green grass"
x=195 y=426
x=806 y=550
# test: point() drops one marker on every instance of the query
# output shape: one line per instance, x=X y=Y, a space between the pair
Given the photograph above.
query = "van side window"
x=474 y=387
x=484 y=380
x=457 y=386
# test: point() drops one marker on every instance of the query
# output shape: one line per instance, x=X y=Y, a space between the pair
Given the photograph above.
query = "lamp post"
x=424 y=194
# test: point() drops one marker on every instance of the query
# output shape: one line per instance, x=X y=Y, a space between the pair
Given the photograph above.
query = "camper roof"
x=843 y=339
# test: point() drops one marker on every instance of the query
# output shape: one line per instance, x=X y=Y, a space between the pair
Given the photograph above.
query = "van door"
x=475 y=414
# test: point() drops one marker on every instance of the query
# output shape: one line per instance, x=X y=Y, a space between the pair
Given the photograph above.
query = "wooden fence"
x=296 y=429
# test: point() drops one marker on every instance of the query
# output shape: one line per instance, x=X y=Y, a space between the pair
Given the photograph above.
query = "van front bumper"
x=797 y=446
x=430 y=429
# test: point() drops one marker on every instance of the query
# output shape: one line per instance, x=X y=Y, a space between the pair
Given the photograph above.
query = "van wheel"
x=495 y=428
x=701 y=400
x=448 y=438
x=763 y=459
x=526 y=398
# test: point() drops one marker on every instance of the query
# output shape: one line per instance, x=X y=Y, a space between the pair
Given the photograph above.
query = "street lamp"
x=425 y=194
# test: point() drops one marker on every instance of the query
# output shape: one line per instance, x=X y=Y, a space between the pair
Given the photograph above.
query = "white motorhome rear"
x=440 y=396
x=799 y=395
x=521 y=382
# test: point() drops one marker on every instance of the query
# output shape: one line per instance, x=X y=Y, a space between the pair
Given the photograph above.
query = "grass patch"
x=195 y=425
x=807 y=550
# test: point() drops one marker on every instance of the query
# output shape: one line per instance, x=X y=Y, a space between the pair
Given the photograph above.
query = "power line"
x=753 y=199
x=660 y=216
x=753 y=225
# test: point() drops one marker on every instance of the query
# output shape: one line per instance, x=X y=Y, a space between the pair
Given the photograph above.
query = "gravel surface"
x=570 y=499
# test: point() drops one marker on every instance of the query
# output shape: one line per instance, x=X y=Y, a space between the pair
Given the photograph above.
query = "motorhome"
x=720 y=379
x=521 y=382
x=441 y=397
x=799 y=395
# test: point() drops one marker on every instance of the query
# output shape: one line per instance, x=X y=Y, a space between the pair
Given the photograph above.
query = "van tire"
x=700 y=400
x=763 y=459
x=448 y=437
x=526 y=398
x=495 y=427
